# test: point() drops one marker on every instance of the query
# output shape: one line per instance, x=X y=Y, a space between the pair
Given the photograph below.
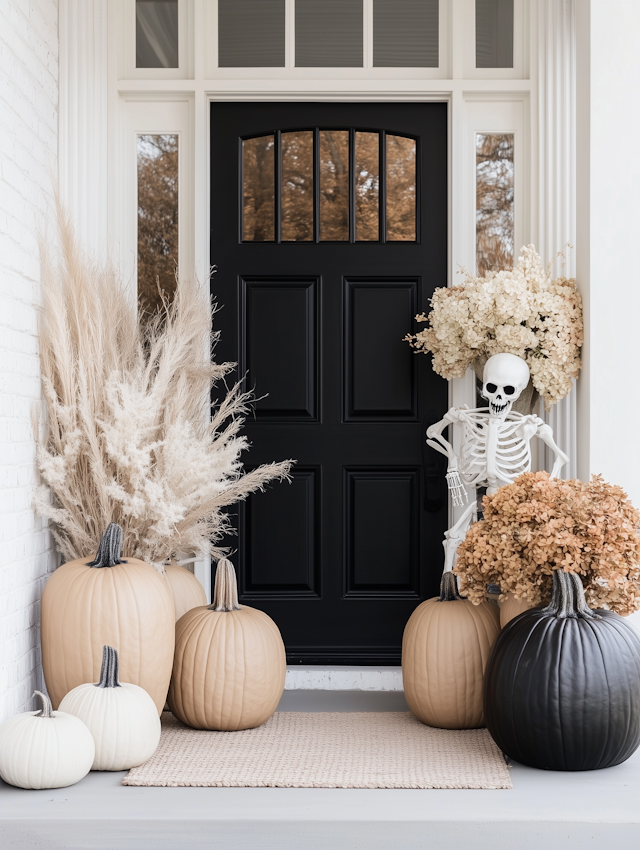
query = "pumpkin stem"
x=449 y=587
x=109 y=670
x=567 y=600
x=110 y=548
x=225 y=593
x=46 y=710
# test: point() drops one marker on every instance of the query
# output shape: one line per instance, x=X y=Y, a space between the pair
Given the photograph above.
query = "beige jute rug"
x=325 y=750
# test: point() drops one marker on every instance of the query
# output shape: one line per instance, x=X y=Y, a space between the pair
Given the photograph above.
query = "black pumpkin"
x=562 y=687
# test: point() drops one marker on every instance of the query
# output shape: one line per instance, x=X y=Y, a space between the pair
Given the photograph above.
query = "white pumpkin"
x=122 y=718
x=45 y=749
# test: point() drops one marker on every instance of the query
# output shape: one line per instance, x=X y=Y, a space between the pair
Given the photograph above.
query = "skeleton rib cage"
x=512 y=452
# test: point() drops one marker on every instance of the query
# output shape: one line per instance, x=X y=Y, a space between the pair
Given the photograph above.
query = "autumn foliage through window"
x=343 y=202
x=157 y=218
x=494 y=202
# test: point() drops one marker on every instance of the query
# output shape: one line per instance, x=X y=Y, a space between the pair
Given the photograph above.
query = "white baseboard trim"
x=328 y=678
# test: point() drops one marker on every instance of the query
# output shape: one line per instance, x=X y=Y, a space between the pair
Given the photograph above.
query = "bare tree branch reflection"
x=157 y=218
x=258 y=221
x=297 y=189
x=401 y=189
x=494 y=201
x=297 y=186
x=334 y=185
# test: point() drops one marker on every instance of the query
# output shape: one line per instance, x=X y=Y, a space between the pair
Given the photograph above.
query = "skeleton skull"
x=504 y=378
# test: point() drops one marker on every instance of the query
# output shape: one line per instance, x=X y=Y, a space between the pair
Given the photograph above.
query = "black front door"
x=329 y=233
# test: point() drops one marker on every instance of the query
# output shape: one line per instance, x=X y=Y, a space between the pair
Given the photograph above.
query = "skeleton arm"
x=534 y=426
x=440 y=444
x=546 y=435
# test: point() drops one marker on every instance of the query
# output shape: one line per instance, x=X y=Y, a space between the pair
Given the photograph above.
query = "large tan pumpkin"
x=185 y=589
x=511 y=608
x=122 y=604
x=229 y=665
x=445 y=649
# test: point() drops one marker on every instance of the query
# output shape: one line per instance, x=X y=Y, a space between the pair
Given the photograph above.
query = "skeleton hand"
x=529 y=427
x=454 y=483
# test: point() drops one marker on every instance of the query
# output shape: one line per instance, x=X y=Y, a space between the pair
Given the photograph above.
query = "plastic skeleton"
x=495 y=446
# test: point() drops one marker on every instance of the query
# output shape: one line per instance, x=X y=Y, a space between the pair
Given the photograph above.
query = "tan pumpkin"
x=445 y=649
x=185 y=589
x=229 y=665
x=511 y=608
x=120 y=603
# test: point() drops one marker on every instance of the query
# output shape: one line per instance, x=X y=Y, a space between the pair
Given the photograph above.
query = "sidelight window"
x=495 y=199
x=157 y=218
x=329 y=185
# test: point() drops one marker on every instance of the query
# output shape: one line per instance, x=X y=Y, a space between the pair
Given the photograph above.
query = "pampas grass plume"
x=126 y=437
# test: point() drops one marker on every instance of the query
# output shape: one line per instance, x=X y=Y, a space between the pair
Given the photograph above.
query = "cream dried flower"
x=520 y=311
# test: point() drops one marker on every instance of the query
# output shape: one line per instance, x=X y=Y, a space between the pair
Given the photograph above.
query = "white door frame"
x=100 y=93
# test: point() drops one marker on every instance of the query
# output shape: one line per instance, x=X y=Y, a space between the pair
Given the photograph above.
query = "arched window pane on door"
x=328 y=185
x=494 y=201
x=157 y=218
x=258 y=189
x=334 y=185
x=367 y=187
x=296 y=153
x=401 y=189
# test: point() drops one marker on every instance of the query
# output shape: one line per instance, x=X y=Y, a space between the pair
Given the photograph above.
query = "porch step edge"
x=344 y=678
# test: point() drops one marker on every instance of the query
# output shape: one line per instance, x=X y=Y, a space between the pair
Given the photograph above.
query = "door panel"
x=286 y=563
x=329 y=233
x=278 y=345
x=379 y=376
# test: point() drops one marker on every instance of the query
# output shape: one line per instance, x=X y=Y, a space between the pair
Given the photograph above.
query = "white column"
x=555 y=223
x=83 y=133
x=608 y=186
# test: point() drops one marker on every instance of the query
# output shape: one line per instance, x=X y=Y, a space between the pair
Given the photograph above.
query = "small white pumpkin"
x=45 y=749
x=122 y=718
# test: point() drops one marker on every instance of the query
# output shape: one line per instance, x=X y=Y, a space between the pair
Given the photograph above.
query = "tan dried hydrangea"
x=540 y=524
x=519 y=311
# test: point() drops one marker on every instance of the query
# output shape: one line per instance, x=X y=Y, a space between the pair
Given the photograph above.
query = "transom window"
x=329 y=185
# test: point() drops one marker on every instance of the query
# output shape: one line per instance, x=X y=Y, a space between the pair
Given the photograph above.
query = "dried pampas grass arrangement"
x=127 y=437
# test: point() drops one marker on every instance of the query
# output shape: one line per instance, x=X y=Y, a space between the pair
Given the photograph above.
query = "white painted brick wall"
x=28 y=157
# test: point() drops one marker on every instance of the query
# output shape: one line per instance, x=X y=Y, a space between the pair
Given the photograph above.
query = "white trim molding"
x=83 y=120
x=555 y=193
x=101 y=91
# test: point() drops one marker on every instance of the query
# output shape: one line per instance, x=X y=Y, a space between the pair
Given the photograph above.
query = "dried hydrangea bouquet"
x=521 y=311
x=538 y=525
x=128 y=438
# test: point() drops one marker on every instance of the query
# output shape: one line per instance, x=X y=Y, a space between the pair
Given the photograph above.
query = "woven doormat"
x=325 y=750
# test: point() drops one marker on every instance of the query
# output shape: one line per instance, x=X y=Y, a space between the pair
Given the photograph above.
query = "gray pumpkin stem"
x=225 y=594
x=110 y=549
x=567 y=600
x=110 y=668
x=449 y=587
x=46 y=710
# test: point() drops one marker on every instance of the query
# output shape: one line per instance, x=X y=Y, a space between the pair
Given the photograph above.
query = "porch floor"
x=544 y=809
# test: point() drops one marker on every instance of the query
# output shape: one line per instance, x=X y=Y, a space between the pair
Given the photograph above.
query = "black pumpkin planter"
x=562 y=687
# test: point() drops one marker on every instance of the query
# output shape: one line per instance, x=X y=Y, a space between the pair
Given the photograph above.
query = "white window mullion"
x=367 y=36
x=290 y=34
